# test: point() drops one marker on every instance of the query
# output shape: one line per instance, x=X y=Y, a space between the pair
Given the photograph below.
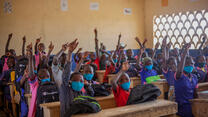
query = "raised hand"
x=85 y=55
x=138 y=41
x=10 y=35
x=24 y=39
x=38 y=40
x=125 y=66
x=73 y=45
x=51 y=47
x=95 y=31
x=164 y=42
x=145 y=41
x=29 y=50
x=64 y=47
x=169 y=45
x=157 y=45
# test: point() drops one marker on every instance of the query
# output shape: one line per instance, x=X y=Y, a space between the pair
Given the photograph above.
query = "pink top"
x=33 y=88
x=5 y=68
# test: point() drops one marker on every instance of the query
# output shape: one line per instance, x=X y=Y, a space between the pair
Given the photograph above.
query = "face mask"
x=77 y=86
x=149 y=67
x=188 y=69
x=126 y=85
x=201 y=65
x=35 y=71
x=45 y=80
x=115 y=60
x=88 y=76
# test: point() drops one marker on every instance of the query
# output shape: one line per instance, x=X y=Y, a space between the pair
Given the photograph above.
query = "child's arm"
x=23 y=46
x=125 y=67
x=156 y=47
x=118 y=44
x=8 y=42
x=36 y=44
x=58 y=55
x=24 y=77
x=183 y=60
x=75 y=55
x=200 y=47
x=84 y=56
x=96 y=44
x=164 y=54
x=30 y=64
x=67 y=70
x=50 y=49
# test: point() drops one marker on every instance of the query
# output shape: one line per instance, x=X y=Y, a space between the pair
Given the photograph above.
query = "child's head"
x=88 y=72
x=150 y=53
x=62 y=59
x=172 y=63
x=41 y=47
x=147 y=63
x=11 y=62
x=124 y=81
x=159 y=57
x=11 y=52
x=144 y=55
x=92 y=56
x=189 y=64
x=200 y=61
x=123 y=58
x=43 y=75
x=77 y=81
x=129 y=53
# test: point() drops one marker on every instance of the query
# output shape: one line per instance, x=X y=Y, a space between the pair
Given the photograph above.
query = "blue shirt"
x=147 y=73
x=169 y=76
x=184 y=88
x=202 y=75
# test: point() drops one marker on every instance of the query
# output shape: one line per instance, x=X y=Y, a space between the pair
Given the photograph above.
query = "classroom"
x=104 y=58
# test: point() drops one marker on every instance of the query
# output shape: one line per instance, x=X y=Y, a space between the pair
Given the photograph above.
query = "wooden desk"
x=163 y=86
x=53 y=109
x=135 y=81
x=199 y=107
x=100 y=75
x=111 y=77
x=156 y=108
x=202 y=86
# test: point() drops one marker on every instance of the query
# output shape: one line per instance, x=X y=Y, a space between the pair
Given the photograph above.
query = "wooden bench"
x=100 y=75
x=199 y=107
x=163 y=86
x=135 y=81
x=53 y=109
x=111 y=77
x=157 y=108
x=202 y=87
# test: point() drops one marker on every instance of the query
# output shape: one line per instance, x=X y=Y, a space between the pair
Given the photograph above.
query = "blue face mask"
x=77 y=86
x=88 y=76
x=188 y=69
x=126 y=85
x=45 y=80
x=35 y=71
x=149 y=67
x=115 y=60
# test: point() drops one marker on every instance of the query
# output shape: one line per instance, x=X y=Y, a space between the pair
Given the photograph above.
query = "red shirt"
x=121 y=96
x=108 y=70
x=97 y=62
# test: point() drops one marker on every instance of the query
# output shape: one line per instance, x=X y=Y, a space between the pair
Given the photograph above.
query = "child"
x=121 y=86
x=72 y=84
x=39 y=51
x=43 y=90
x=201 y=68
x=185 y=84
x=58 y=64
x=130 y=56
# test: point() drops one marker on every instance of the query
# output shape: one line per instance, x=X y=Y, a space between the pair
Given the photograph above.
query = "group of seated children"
x=50 y=80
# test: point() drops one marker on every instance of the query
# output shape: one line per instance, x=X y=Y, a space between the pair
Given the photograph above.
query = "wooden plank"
x=199 y=107
x=135 y=81
x=155 y=108
x=100 y=75
x=53 y=109
x=163 y=86
x=111 y=77
x=202 y=86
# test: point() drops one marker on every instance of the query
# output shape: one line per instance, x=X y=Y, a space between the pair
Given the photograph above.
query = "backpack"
x=47 y=92
x=83 y=104
x=101 y=89
x=143 y=93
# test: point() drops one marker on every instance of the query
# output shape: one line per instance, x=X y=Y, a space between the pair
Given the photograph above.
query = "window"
x=181 y=27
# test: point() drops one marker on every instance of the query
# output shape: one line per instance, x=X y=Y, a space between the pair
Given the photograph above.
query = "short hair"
x=74 y=74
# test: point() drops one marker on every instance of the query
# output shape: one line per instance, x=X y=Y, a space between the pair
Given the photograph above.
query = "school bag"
x=101 y=89
x=143 y=93
x=47 y=92
x=83 y=104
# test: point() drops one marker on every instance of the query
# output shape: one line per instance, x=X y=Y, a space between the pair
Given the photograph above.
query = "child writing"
x=185 y=84
x=121 y=86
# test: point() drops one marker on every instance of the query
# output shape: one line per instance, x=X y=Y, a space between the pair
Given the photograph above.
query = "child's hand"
x=29 y=50
x=164 y=42
x=125 y=66
x=95 y=31
x=24 y=39
x=138 y=41
x=119 y=36
x=10 y=35
x=72 y=46
x=38 y=40
x=51 y=47
x=157 y=45
x=26 y=72
x=169 y=45
x=64 y=47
